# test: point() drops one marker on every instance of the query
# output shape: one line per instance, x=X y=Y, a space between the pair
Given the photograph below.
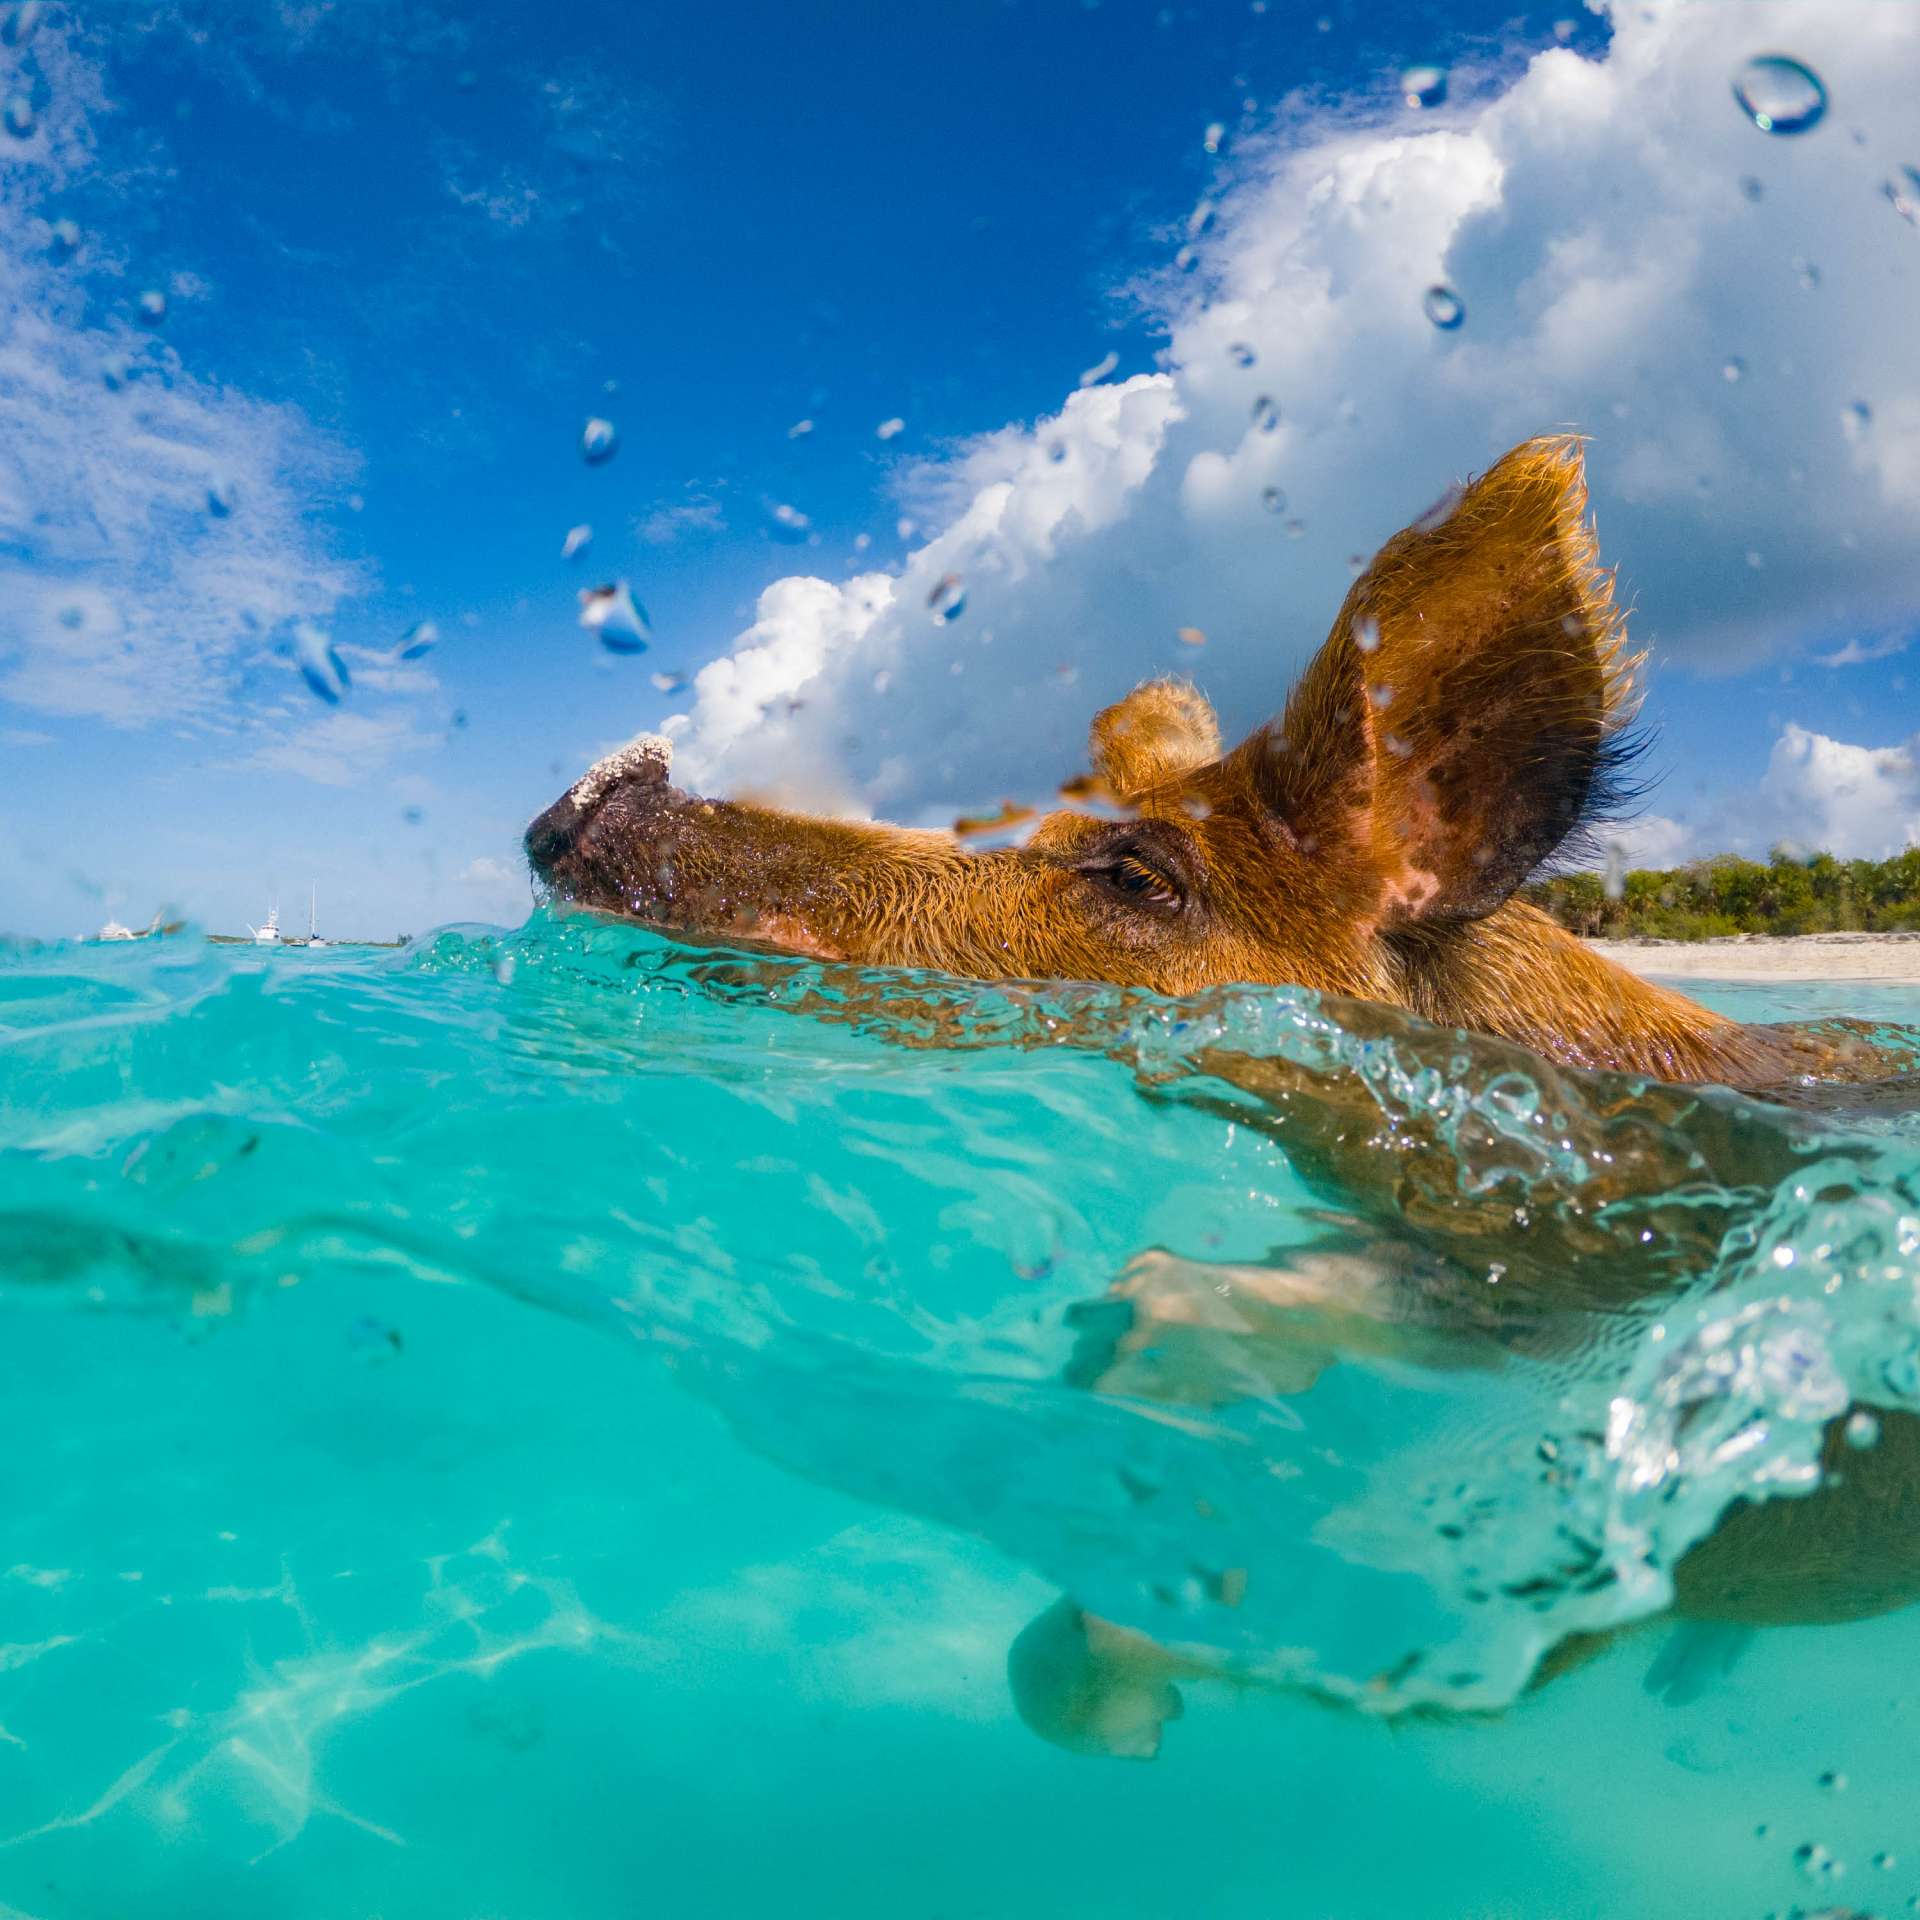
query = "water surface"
x=558 y=1423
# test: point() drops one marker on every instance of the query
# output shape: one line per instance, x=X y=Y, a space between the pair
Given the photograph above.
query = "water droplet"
x=19 y=116
x=1564 y=30
x=948 y=600
x=1734 y=370
x=72 y=618
x=1903 y=194
x=1366 y=634
x=1886 y=1862
x=1266 y=415
x=1855 y=419
x=1057 y=451
x=1241 y=354
x=1440 y=512
x=1808 y=272
x=63 y=239
x=1443 y=307
x=21 y=22
x=1816 y=1863
x=1614 y=881
x=789 y=525
x=1382 y=698
x=413 y=815
x=220 y=497
x=1273 y=499
x=1424 y=86
x=1295 y=529
x=115 y=372
x=1190 y=637
x=419 y=640
x=887 y=429
x=800 y=429
x=1780 y=94
x=320 y=666
x=1863 y=1429
x=598 y=442
x=1755 y=559
x=1186 y=259
x=578 y=540
x=151 y=307
x=1833 y=1781
x=616 y=616
x=1751 y=187
x=1099 y=370
x=1200 y=219
x=668 y=682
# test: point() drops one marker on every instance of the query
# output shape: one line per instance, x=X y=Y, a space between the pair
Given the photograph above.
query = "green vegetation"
x=1727 y=895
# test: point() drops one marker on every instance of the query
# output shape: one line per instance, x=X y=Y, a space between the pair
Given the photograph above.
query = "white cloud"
x=156 y=526
x=1653 y=840
x=494 y=888
x=663 y=525
x=1827 y=795
x=1860 y=651
x=343 y=748
x=1592 y=219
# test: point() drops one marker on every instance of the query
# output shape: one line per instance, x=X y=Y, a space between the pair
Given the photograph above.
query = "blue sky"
x=408 y=250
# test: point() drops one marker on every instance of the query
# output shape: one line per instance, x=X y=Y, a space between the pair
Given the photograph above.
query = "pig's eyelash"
x=1137 y=879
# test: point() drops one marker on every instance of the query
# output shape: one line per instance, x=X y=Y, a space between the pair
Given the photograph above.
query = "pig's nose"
x=553 y=833
x=643 y=763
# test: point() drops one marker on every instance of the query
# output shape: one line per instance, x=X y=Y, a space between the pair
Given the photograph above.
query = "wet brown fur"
x=1367 y=843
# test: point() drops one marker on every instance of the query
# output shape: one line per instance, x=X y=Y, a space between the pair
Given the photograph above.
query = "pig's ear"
x=1160 y=731
x=1465 y=716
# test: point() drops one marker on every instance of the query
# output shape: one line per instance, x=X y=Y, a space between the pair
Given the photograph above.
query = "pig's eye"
x=1128 y=874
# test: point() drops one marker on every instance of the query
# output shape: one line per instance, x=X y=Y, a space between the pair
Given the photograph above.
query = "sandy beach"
x=1892 y=958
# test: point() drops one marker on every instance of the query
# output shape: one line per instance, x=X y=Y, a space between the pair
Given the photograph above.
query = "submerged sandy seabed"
x=1892 y=957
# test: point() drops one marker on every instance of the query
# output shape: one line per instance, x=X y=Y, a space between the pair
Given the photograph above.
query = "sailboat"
x=268 y=935
x=313 y=934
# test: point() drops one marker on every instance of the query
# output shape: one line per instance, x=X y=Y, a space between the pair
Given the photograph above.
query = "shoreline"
x=1891 y=959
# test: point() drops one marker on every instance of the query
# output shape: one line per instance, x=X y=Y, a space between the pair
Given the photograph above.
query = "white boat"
x=269 y=935
x=313 y=935
x=113 y=930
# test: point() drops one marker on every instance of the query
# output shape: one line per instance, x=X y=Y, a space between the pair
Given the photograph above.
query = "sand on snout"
x=1892 y=958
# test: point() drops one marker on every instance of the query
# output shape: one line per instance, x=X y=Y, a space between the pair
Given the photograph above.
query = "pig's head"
x=1458 y=724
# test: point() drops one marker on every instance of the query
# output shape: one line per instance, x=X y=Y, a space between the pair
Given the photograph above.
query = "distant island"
x=1724 y=896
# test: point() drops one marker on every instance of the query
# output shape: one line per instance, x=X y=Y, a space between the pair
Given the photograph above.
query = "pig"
x=1468 y=720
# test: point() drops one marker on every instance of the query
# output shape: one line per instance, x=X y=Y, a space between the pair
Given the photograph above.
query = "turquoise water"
x=555 y=1423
